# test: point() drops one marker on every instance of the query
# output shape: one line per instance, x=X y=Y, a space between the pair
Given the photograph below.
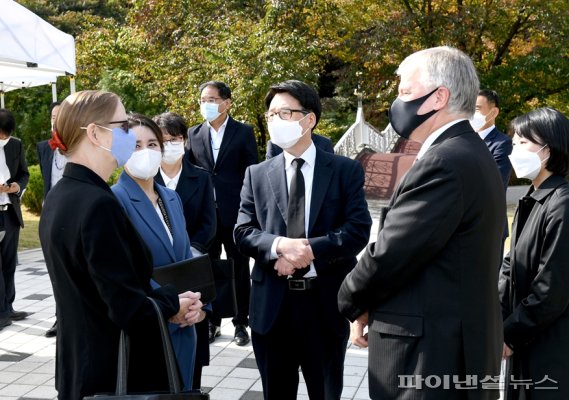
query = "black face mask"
x=403 y=115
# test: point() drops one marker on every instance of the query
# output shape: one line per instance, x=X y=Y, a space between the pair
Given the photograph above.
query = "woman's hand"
x=190 y=309
x=506 y=351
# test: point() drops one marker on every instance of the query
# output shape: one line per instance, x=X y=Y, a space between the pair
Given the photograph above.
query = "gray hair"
x=449 y=67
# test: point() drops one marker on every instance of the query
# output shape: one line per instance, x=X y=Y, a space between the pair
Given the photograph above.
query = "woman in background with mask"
x=195 y=188
x=534 y=279
x=99 y=266
x=157 y=214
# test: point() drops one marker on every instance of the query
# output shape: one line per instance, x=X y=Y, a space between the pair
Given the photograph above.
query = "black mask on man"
x=403 y=115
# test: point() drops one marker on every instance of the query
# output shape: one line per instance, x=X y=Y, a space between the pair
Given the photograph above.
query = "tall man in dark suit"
x=500 y=145
x=427 y=288
x=319 y=141
x=304 y=227
x=484 y=122
x=14 y=177
x=225 y=148
x=52 y=163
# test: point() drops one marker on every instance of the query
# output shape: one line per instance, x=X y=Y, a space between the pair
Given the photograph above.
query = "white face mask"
x=526 y=164
x=172 y=152
x=285 y=134
x=210 y=111
x=478 y=121
x=144 y=164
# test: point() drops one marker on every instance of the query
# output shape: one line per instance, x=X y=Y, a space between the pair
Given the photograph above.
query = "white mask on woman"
x=172 y=152
x=526 y=164
x=144 y=164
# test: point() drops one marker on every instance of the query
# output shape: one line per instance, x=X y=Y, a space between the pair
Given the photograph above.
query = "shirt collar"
x=309 y=156
x=221 y=127
x=486 y=131
x=434 y=136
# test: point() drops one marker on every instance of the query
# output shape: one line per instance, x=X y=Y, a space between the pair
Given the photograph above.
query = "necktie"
x=295 y=216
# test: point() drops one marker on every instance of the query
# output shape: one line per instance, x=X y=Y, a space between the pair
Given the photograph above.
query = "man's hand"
x=296 y=251
x=357 y=331
x=283 y=267
x=506 y=351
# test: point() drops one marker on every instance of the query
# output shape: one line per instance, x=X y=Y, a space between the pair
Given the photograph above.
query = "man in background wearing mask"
x=427 y=288
x=304 y=218
x=500 y=145
x=483 y=122
x=225 y=148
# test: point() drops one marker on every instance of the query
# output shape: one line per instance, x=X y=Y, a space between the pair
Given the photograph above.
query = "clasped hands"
x=293 y=254
x=190 y=311
x=9 y=188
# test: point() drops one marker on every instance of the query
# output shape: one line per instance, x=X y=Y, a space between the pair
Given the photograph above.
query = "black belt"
x=4 y=207
x=301 y=284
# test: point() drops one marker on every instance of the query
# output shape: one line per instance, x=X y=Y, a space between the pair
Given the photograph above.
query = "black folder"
x=194 y=274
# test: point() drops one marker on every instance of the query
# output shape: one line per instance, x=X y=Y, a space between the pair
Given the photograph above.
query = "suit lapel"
x=146 y=212
x=178 y=229
x=228 y=136
x=322 y=177
x=277 y=180
x=205 y=139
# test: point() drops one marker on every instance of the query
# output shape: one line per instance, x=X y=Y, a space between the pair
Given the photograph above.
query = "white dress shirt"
x=434 y=136
x=4 y=175
x=171 y=183
x=486 y=131
x=57 y=167
x=217 y=137
x=309 y=157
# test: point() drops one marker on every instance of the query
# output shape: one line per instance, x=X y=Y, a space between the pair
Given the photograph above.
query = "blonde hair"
x=80 y=109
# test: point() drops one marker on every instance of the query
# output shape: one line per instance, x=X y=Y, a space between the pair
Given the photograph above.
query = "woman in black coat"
x=534 y=279
x=99 y=266
x=196 y=191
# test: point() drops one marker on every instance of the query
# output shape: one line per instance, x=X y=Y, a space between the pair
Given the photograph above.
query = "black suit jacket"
x=429 y=282
x=320 y=141
x=45 y=158
x=100 y=270
x=500 y=146
x=238 y=150
x=338 y=229
x=16 y=163
x=196 y=192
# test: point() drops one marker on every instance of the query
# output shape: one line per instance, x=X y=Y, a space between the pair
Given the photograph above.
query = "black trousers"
x=8 y=258
x=301 y=338
x=224 y=236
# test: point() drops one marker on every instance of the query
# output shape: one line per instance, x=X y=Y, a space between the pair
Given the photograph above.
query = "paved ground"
x=27 y=358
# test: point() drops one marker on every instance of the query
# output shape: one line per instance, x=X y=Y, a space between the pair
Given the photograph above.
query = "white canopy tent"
x=32 y=52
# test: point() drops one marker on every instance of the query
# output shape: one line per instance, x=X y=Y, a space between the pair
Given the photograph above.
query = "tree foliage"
x=156 y=53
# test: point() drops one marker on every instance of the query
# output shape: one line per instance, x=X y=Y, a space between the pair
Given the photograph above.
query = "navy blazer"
x=238 y=150
x=320 y=141
x=149 y=225
x=500 y=146
x=338 y=229
x=196 y=192
x=16 y=163
x=45 y=158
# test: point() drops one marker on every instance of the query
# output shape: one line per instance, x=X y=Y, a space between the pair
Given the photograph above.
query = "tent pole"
x=53 y=91
x=71 y=84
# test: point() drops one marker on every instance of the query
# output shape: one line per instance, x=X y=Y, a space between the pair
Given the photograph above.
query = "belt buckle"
x=297 y=284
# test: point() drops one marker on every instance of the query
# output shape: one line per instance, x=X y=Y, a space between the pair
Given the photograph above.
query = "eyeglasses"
x=175 y=140
x=124 y=125
x=211 y=100
x=284 y=114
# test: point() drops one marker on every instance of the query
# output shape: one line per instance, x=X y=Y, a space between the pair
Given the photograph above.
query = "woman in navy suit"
x=157 y=214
